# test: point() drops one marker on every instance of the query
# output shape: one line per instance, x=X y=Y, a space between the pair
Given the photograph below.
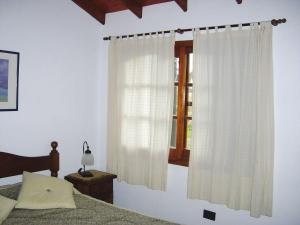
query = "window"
x=182 y=110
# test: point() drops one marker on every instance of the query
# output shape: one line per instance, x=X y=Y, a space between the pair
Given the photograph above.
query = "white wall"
x=59 y=47
x=173 y=204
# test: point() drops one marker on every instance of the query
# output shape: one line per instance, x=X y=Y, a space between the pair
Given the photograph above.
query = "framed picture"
x=9 y=79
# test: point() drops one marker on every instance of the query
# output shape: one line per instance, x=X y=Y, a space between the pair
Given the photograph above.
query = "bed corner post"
x=54 y=155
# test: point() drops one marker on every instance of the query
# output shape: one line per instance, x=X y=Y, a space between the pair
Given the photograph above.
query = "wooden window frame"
x=180 y=155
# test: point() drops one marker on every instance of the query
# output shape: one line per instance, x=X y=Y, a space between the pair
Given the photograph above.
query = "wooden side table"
x=99 y=186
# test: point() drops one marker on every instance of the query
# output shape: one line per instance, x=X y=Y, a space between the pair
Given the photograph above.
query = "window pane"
x=190 y=94
x=189 y=100
x=188 y=134
x=175 y=100
x=190 y=67
x=189 y=111
x=176 y=69
x=173 y=136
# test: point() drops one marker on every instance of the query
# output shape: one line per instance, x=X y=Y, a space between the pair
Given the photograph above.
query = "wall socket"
x=209 y=215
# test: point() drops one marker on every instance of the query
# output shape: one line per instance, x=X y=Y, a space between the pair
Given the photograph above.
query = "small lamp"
x=86 y=160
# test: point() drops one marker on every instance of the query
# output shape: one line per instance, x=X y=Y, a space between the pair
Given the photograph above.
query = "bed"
x=88 y=210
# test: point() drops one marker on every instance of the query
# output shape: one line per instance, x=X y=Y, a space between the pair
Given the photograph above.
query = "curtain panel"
x=141 y=76
x=231 y=160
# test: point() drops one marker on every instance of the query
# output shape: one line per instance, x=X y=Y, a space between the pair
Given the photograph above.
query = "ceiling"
x=99 y=8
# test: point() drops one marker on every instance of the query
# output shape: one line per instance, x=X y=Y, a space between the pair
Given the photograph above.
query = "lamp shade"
x=87 y=159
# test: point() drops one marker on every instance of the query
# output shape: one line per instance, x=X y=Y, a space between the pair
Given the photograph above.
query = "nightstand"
x=99 y=186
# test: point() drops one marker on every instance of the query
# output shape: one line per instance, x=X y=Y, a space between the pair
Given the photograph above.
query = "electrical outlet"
x=209 y=215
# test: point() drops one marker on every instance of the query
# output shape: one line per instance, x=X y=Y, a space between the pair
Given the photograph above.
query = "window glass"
x=190 y=93
x=173 y=136
x=189 y=111
x=188 y=134
x=176 y=69
x=175 y=104
x=190 y=68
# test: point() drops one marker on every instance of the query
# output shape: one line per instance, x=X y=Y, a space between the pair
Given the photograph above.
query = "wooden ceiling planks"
x=93 y=9
x=134 y=6
x=182 y=4
x=99 y=8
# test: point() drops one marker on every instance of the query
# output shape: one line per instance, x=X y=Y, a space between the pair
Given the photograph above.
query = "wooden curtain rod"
x=274 y=22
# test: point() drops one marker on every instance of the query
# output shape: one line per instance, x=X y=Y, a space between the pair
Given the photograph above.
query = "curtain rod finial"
x=275 y=22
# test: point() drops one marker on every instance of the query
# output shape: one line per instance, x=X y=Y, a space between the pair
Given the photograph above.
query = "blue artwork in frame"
x=3 y=80
x=9 y=78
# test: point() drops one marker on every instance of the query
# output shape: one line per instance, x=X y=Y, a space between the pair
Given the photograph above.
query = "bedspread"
x=88 y=212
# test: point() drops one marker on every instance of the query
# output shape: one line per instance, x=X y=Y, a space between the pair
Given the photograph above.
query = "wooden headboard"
x=11 y=165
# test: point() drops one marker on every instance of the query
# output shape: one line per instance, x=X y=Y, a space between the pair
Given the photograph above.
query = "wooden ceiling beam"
x=91 y=8
x=182 y=4
x=134 y=6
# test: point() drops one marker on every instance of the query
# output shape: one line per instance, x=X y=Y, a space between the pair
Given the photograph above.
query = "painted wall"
x=59 y=47
x=173 y=204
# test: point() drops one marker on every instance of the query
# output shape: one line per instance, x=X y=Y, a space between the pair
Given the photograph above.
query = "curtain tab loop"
x=254 y=25
x=196 y=31
x=206 y=30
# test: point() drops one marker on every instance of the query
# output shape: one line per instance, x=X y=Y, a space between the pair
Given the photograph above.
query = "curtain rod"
x=274 y=22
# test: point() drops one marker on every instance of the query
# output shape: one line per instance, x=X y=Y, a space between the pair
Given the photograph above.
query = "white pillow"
x=6 y=206
x=43 y=192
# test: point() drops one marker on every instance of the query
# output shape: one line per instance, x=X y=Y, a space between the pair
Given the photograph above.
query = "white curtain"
x=141 y=79
x=231 y=159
